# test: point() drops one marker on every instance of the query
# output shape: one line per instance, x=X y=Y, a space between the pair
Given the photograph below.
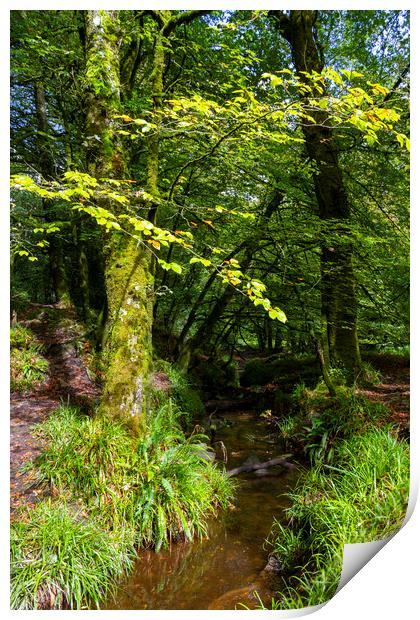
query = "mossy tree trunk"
x=338 y=284
x=127 y=345
x=166 y=22
x=46 y=167
x=129 y=269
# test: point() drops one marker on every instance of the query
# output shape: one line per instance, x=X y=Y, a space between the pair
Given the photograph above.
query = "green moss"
x=278 y=369
x=102 y=69
x=108 y=144
x=128 y=347
x=28 y=368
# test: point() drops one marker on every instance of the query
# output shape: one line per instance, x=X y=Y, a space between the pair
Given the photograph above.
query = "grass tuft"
x=361 y=497
x=61 y=561
x=27 y=366
x=161 y=483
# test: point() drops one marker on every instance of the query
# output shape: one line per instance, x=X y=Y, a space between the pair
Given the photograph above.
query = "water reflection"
x=225 y=569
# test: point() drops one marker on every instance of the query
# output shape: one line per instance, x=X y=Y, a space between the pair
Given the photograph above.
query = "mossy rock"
x=284 y=371
x=387 y=359
x=216 y=374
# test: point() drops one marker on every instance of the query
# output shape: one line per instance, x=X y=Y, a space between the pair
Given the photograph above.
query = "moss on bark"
x=127 y=339
x=127 y=345
x=338 y=284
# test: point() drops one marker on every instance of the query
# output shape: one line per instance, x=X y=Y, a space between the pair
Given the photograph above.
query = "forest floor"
x=67 y=382
x=394 y=389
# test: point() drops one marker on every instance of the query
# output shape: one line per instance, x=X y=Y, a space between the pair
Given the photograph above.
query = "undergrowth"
x=28 y=368
x=362 y=496
x=356 y=489
x=161 y=483
x=319 y=422
x=157 y=488
x=182 y=391
x=61 y=561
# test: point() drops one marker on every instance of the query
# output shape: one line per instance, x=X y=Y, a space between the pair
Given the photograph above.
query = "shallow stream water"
x=226 y=569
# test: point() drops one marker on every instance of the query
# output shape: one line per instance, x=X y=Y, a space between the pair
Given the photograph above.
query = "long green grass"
x=362 y=496
x=161 y=483
x=130 y=492
x=61 y=560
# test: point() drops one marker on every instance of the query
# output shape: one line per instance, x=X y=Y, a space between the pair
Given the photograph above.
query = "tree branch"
x=397 y=83
x=182 y=18
x=280 y=460
x=157 y=17
x=283 y=23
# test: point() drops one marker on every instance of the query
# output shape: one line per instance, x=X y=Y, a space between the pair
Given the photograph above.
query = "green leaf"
x=203 y=261
x=276 y=313
x=175 y=267
x=378 y=89
x=170 y=266
x=371 y=138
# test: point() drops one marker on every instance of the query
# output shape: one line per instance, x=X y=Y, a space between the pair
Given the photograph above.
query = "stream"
x=226 y=569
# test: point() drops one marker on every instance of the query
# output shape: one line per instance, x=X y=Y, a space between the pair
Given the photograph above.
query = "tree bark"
x=338 y=284
x=46 y=168
x=127 y=347
x=279 y=460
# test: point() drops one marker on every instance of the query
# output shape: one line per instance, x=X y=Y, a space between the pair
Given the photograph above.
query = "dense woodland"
x=218 y=200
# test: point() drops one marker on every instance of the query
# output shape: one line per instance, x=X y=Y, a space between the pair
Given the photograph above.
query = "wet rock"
x=252 y=460
x=261 y=472
x=206 y=454
x=273 y=565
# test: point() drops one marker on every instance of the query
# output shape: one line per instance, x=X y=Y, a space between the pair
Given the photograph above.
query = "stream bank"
x=224 y=570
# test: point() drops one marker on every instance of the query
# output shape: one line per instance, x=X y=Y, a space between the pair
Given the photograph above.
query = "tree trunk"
x=338 y=284
x=129 y=282
x=249 y=247
x=46 y=168
x=82 y=270
x=154 y=139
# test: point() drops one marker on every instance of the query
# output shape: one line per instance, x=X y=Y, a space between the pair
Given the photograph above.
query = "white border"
x=388 y=586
